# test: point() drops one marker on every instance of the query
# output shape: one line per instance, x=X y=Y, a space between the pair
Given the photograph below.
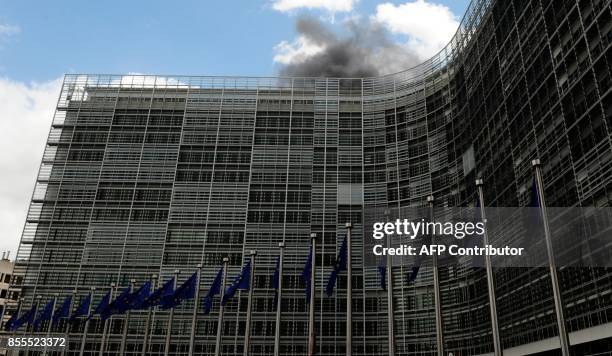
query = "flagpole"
x=247 y=334
x=497 y=349
x=106 y=321
x=14 y=332
x=390 y=313
x=220 y=319
x=194 y=316
x=36 y=312
x=84 y=338
x=31 y=327
x=67 y=328
x=145 y=341
x=127 y=321
x=18 y=311
x=563 y=337
x=55 y=295
x=436 y=280
x=170 y=319
x=279 y=297
x=2 y=325
x=311 y=312
x=349 y=291
x=54 y=304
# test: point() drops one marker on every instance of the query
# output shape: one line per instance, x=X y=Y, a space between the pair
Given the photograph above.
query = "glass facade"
x=144 y=175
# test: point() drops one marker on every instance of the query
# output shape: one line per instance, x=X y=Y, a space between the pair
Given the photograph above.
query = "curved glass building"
x=145 y=175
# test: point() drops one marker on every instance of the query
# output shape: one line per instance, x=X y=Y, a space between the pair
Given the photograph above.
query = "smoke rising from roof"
x=365 y=51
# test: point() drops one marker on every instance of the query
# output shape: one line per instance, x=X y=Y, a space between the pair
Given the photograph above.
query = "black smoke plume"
x=365 y=51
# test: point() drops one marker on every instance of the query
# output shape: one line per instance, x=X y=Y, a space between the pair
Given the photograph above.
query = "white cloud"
x=296 y=51
x=142 y=80
x=7 y=30
x=428 y=26
x=26 y=111
x=332 y=6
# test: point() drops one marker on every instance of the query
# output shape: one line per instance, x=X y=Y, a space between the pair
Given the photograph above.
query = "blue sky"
x=188 y=37
x=42 y=40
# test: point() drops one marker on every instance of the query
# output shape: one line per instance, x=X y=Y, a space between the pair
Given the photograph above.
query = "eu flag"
x=534 y=197
x=9 y=323
x=241 y=281
x=215 y=289
x=276 y=275
x=139 y=297
x=160 y=294
x=276 y=281
x=44 y=314
x=382 y=272
x=338 y=267
x=102 y=305
x=306 y=274
x=63 y=311
x=413 y=274
x=28 y=318
x=83 y=308
x=118 y=306
x=185 y=291
x=535 y=218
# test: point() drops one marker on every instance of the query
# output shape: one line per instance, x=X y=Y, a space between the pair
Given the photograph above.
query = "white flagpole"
x=170 y=319
x=497 y=350
x=84 y=338
x=127 y=322
x=247 y=334
x=563 y=337
x=11 y=352
x=194 y=316
x=105 y=328
x=279 y=297
x=145 y=340
x=311 y=312
x=55 y=295
x=349 y=291
x=436 y=280
x=220 y=319
x=67 y=328
x=38 y=298
x=51 y=320
x=2 y=325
